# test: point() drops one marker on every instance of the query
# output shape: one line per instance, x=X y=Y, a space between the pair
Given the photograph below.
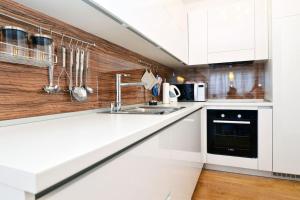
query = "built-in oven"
x=232 y=132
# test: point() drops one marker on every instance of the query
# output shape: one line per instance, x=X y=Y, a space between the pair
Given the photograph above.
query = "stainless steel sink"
x=147 y=110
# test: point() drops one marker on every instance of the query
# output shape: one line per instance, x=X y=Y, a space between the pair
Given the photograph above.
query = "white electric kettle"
x=174 y=93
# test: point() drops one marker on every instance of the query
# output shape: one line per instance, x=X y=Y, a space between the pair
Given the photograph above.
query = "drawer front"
x=139 y=173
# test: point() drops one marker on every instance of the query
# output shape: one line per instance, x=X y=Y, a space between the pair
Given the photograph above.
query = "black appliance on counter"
x=192 y=92
x=232 y=132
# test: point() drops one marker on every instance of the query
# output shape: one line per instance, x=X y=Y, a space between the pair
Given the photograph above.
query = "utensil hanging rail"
x=40 y=28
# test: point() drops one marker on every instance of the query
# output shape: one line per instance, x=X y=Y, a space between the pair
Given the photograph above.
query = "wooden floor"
x=213 y=185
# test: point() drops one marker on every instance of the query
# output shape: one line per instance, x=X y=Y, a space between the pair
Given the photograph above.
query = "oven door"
x=232 y=137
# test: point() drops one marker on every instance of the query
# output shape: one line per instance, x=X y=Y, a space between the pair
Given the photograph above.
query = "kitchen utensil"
x=63 y=70
x=81 y=67
x=87 y=88
x=174 y=93
x=43 y=49
x=83 y=90
x=71 y=70
x=71 y=63
x=51 y=88
x=79 y=93
x=75 y=88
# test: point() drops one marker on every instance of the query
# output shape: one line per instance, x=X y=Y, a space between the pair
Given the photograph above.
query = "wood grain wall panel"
x=21 y=93
x=131 y=95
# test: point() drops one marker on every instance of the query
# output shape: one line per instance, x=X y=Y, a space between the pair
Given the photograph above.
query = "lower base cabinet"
x=186 y=155
x=165 y=166
x=264 y=159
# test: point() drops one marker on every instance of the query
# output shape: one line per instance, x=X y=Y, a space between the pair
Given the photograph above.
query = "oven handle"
x=231 y=122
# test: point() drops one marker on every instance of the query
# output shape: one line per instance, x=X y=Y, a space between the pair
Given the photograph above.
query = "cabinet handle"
x=231 y=122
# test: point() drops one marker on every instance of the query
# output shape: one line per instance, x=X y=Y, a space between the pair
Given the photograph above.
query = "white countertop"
x=34 y=156
x=37 y=155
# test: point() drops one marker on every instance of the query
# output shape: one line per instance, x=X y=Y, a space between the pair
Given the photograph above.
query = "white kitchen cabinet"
x=162 y=21
x=10 y=193
x=175 y=32
x=197 y=36
x=265 y=139
x=286 y=94
x=165 y=165
x=186 y=155
x=102 y=22
x=231 y=32
x=236 y=30
x=262 y=26
x=284 y=8
x=140 y=173
x=186 y=139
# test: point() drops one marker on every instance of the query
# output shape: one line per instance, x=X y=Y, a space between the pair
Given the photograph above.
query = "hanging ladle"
x=87 y=88
x=79 y=93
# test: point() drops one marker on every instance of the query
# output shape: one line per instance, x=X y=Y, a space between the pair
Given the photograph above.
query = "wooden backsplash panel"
x=131 y=95
x=248 y=80
x=21 y=93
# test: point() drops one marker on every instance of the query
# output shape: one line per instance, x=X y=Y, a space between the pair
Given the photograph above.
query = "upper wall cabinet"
x=164 y=22
x=284 y=8
x=197 y=37
x=228 y=31
x=149 y=23
x=231 y=32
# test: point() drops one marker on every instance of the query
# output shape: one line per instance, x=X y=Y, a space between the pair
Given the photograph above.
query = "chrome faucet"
x=118 y=103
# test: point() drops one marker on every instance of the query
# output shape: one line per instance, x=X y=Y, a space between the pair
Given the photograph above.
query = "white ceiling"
x=83 y=16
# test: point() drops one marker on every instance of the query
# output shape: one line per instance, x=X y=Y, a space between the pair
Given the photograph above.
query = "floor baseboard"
x=251 y=172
